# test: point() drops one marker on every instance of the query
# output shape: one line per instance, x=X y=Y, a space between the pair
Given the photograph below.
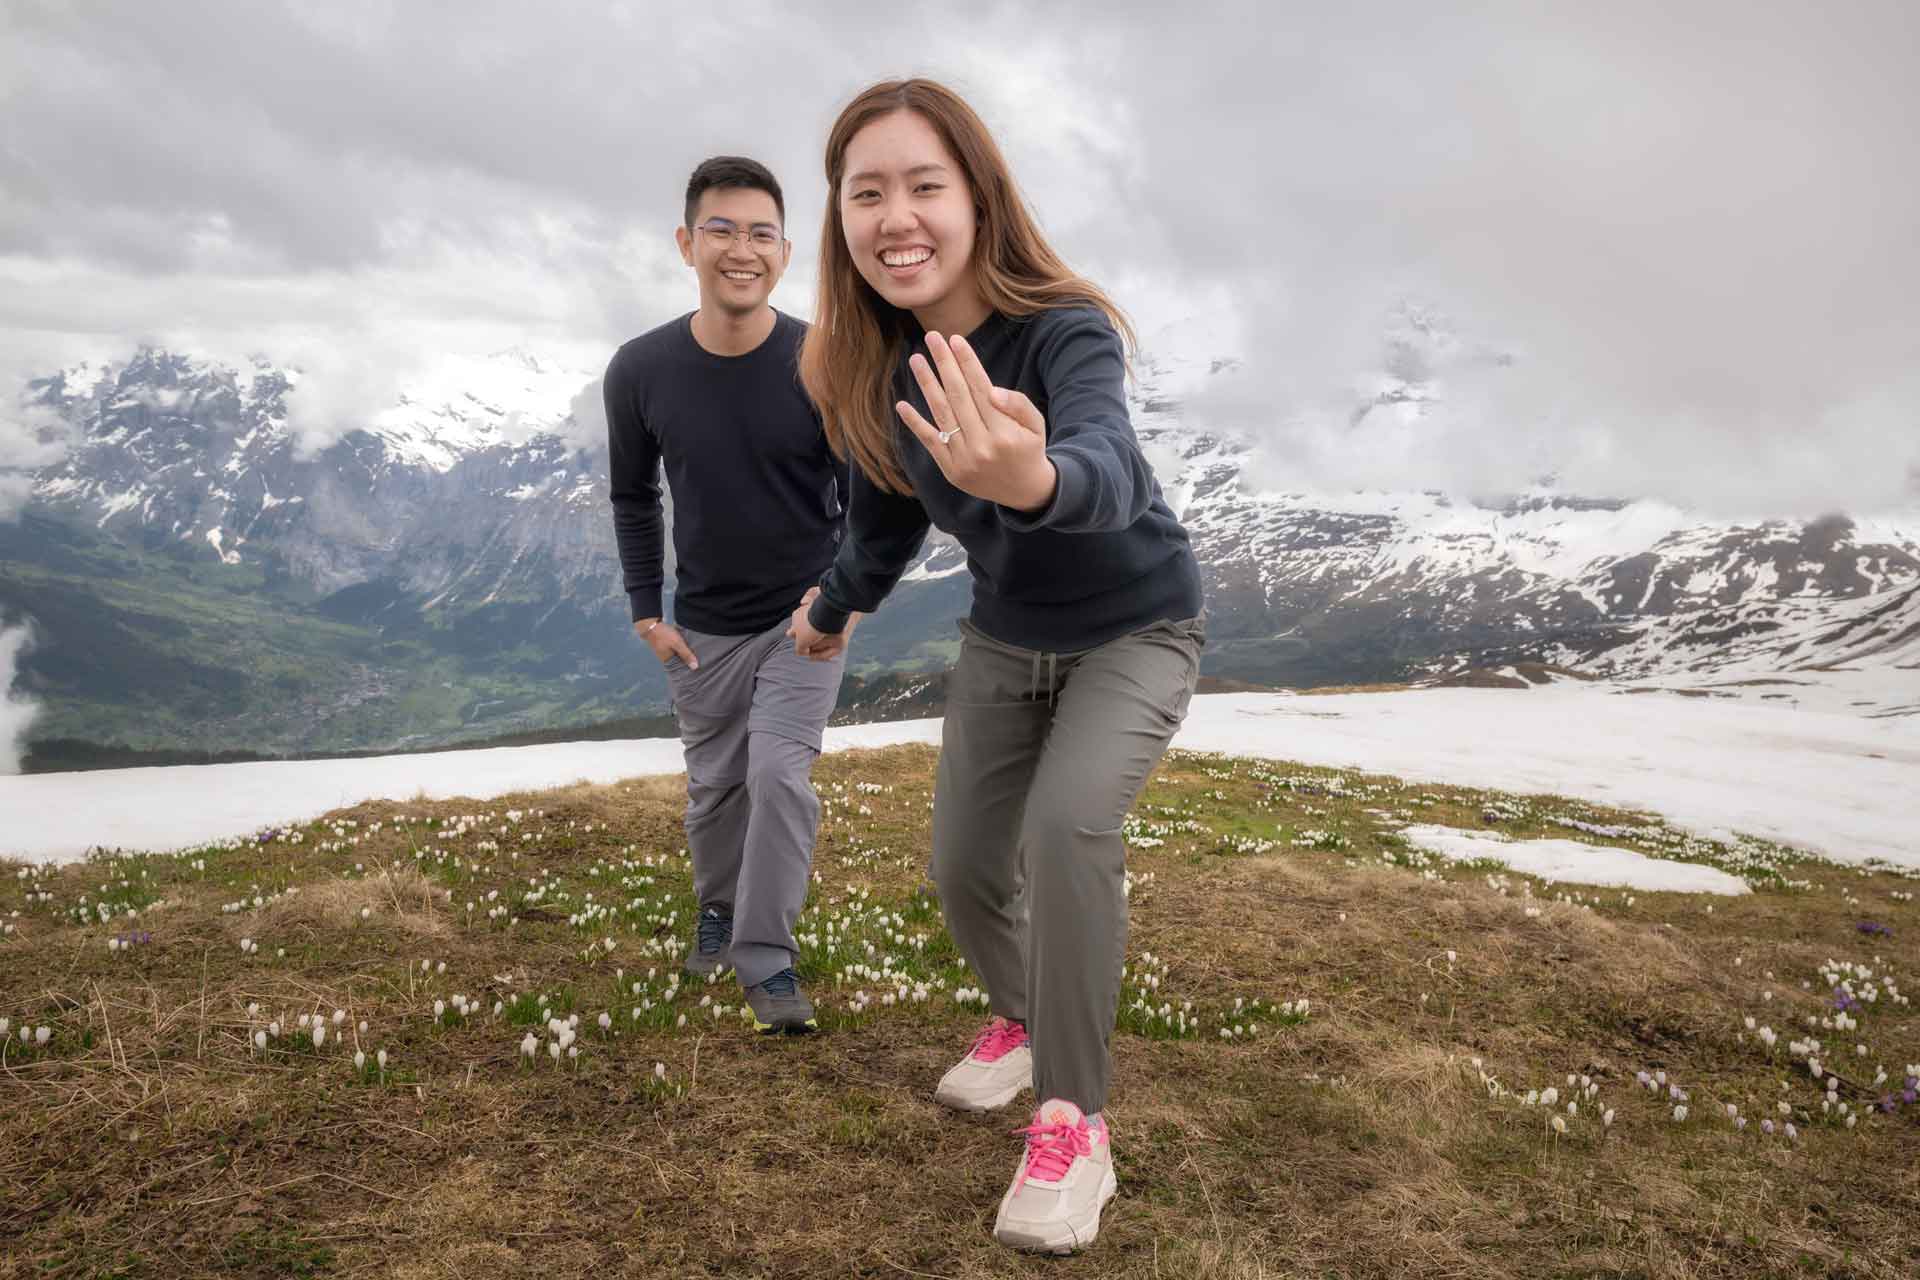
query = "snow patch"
x=1574 y=862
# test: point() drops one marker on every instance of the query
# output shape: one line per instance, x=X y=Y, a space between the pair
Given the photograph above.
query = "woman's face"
x=907 y=212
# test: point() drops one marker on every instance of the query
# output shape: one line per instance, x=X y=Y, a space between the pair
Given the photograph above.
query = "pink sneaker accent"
x=999 y=1038
x=1062 y=1182
x=994 y=1071
x=1056 y=1139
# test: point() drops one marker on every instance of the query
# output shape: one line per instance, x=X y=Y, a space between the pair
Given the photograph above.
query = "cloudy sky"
x=1670 y=248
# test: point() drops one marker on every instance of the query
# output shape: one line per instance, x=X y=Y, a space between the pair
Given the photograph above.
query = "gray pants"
x=750 y=722
x=1041 y=757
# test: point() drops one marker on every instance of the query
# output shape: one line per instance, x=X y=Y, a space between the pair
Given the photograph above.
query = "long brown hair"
x=858 y=338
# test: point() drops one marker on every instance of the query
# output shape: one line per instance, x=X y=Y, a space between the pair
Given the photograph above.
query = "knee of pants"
x=1061 y=839
x=707 y=797
x=767 y=780
x=949 y=871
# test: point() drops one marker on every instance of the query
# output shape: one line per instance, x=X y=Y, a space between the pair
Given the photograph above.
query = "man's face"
x=735 y=274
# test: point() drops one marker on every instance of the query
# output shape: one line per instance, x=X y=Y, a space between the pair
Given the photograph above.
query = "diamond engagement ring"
x=948 y=434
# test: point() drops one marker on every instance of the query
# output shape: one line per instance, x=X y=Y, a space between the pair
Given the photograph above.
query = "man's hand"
x=817 y=645
x=666 y=641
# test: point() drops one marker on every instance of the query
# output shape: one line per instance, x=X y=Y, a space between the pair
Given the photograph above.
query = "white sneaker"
x=1065 y=1177
x=995 y=1070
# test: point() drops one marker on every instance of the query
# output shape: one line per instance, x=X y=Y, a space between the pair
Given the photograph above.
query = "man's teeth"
x=906 y=257
x=739 y=275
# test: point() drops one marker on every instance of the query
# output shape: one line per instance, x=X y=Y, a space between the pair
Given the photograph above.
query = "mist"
x=1658 y=251
x=17 y=710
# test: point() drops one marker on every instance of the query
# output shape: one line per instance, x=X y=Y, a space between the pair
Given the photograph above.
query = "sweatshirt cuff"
x=645 y=604
x=1069 y=486
x=827 y=619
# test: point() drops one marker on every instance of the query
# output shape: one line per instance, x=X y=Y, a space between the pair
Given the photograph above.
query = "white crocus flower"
x=319 y=1034
x=359 y=1059
x=529 y=1046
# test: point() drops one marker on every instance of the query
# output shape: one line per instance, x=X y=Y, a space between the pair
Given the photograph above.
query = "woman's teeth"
x=906 y=257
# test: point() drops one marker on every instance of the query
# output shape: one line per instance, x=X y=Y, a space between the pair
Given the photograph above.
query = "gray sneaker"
x=779 y=1007
x=713 y=934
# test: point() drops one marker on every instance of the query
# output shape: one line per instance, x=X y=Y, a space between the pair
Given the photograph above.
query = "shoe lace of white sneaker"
x=999 y=1038
x=1052 y=1149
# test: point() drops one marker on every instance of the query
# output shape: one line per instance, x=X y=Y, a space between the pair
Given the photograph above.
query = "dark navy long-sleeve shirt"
x=1105 y=557
x=758 y=497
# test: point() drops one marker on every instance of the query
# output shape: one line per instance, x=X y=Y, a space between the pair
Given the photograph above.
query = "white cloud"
x=31 y=436
x=14 y=491
x=1690 y=227
x=17 y=711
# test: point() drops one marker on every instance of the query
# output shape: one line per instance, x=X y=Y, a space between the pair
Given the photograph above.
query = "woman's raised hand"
x=989 y=441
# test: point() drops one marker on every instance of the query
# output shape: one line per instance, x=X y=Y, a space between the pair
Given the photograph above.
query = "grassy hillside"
x=143 y=649
x=1333 y=1057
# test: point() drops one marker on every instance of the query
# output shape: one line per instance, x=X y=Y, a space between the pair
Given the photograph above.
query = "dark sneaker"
x=779 y=1007
x=713 y=934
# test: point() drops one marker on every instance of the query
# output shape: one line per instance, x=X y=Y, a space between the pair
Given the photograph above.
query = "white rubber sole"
x=975 y=1104
x=978 y=1105
x=1067 y=1235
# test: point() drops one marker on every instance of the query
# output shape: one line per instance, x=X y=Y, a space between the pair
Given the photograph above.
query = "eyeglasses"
x=721 y=233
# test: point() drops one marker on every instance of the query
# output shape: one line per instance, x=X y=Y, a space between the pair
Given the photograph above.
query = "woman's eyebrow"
x=874 y=175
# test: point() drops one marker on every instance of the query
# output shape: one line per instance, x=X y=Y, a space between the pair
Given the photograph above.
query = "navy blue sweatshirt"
x=1105 y=557
x=758 y=496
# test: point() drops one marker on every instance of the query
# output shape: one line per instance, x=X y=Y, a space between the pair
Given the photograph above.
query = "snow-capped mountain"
x=453 y=562
x=1315 y=588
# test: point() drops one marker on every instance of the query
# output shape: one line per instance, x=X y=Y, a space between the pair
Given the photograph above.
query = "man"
x=758 y=512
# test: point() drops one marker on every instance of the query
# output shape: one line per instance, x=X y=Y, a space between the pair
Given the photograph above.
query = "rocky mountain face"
x=199 y=573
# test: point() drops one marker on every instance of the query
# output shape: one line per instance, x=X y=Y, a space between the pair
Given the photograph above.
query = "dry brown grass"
x=151 y=1141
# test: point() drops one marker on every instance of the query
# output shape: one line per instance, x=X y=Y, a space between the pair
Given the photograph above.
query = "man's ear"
x=684 y=238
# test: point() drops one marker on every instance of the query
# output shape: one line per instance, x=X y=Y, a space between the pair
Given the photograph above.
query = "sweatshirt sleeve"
x=633 y=475
x=1105 y=483
x=884 y=533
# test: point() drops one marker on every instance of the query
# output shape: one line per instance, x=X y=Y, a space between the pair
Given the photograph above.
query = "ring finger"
x=937 y=403
x=953 y=381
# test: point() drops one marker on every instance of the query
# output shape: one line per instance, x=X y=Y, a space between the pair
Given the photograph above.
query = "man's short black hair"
x=731 y=172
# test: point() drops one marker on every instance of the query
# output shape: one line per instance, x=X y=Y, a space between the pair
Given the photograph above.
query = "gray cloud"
x=17 y=711
x=1687 y=229
x=31 y=435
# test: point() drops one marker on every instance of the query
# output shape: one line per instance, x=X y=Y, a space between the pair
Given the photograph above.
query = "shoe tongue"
x=1058 y=1111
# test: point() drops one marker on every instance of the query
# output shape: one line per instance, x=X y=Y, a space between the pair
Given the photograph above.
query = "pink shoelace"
x=1000 y=1038
x=1052 y=1149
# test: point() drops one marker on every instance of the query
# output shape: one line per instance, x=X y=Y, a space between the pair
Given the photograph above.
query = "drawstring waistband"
x=1033 y=684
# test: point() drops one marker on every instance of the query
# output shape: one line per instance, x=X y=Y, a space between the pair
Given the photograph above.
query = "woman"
x=1082 y=648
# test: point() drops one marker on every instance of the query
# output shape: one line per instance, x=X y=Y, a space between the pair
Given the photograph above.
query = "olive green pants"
x=1041 y=757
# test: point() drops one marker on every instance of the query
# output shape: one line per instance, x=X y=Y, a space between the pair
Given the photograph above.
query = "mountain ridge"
x=460 y=541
